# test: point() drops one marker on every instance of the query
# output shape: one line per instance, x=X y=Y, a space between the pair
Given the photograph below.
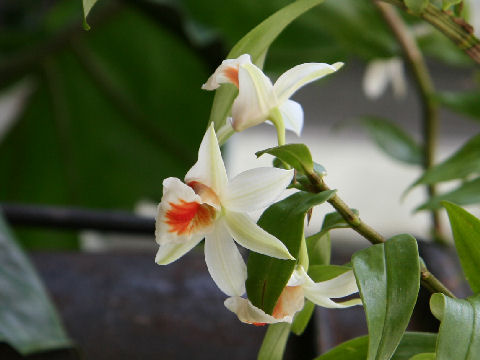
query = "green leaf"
x=319 y=248
x=256 y=43
x=464 y=162
x=388 y=277
x=28 y=320
x=467 y=103
x=459 y=333
x=335 y=221
x=274 y=342
x=466 y=233
x=301 y=319
x=424 y=356
x=393 y=140
x=62 y=143
x=416 y=6
x=296 y=155
x=356 y=349
x=320 y=273
x=448 y=3
x=467 y=193
x=87 y=6
x=268 y=276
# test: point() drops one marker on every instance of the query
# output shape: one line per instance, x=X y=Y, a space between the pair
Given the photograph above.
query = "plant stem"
x=455 y=28
x=426 y=89
x=277 y=120
x=428 y=280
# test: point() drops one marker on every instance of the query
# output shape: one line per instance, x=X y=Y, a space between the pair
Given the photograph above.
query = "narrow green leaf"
x=256 y=43
x=28 y=320
x=356 y=349
x=87 y=6
x=466 y=233
x=393 y=140
x=459 y=333
x=424 y=356
x=388 y=277
x=274 y=342
x=301 y=319
x=416 y=6
x=467 y=193
x=296 y=155
x=464 y=162
x=268 y=276
x=319 y=248
x=467 y=103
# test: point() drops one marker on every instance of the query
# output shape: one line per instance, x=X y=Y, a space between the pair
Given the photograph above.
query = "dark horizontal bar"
x=77 y=219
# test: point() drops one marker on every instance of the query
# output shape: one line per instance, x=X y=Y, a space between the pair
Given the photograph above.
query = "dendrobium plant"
x=209 y=206
x=258 y=100
x=291 y=300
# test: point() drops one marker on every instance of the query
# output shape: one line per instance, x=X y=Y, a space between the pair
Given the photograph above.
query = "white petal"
x=255 y=98
x=224 y=261
x=253 y=237
x=174 y=192
x=225 y=72
x=209 y=169
x=376 y=79
x=328 y=303
x=256 y=188
x=292 y=80
x=340 y=286
x=250 y=314
x=292 y=114
x=168 y=253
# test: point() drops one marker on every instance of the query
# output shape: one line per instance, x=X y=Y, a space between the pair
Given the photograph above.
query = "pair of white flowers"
x=208 y=205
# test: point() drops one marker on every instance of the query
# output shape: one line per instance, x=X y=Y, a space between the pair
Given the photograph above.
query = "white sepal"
x=292 y=114
x=209 y=169
x=253 y=237
x=168 y=253
x=224 y=262
x=298 y=76
x=256 y=188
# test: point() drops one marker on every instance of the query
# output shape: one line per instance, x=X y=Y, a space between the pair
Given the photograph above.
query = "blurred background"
x=97 y=119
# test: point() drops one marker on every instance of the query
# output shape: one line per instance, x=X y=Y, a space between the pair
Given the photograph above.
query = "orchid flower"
x=379 y=73
x=258 y=100
x=291 y=300
x=209 y=206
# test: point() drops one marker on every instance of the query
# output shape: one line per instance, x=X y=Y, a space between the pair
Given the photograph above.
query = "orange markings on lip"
x=259 y=324
x=232 y=74
x=186 y=217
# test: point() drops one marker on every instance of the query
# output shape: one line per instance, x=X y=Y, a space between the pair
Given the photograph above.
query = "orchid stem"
x=277 y=120
x=425 y=87
x=428 y=280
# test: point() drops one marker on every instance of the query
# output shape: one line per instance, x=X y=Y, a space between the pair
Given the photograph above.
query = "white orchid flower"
x=291 y=299
x=209 y=206
x=258 y=100
x=380 y=73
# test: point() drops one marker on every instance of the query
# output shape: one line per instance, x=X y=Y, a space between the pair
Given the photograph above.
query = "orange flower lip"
x=232 y=74
x=186 y=218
